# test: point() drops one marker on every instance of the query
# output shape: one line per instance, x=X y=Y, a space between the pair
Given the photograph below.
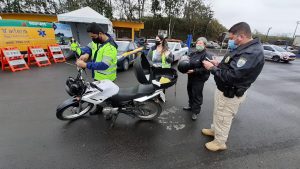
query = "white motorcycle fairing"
x=93 y=95
x=156 y=93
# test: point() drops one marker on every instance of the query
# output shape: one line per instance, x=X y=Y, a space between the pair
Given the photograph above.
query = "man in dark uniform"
x=197 y=76
x=234 y=75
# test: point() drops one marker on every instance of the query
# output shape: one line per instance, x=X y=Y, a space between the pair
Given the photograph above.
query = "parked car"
x=291 y=49
x=277 y=54
x=140 y=41
x=213 y=45
x=150 y=43
x=183 y=44
x=127 y=52
x=177 y=50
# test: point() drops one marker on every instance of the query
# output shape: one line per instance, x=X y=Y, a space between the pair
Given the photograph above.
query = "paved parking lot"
x=265 y=133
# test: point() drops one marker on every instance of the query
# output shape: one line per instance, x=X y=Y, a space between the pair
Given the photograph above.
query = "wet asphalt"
x=264 y=134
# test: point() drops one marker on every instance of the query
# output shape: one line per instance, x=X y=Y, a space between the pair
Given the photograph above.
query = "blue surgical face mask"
x=231 y=45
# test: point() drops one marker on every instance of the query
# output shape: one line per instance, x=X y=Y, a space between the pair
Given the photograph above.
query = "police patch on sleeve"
x=241 y=62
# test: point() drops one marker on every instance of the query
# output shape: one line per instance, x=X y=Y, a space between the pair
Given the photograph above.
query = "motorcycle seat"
x=131 y=93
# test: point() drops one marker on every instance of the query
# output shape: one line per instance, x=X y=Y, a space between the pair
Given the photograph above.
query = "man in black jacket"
x=234 y=75
x=197 y=76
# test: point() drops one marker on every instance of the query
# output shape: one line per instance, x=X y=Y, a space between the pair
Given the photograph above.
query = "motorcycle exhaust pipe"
x=110 y=111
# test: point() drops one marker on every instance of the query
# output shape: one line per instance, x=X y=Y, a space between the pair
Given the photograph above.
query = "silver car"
x=277 y=54
x=150 y=43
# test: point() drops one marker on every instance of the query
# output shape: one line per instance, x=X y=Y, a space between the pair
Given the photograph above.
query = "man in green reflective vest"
x=102 y=52
x=74 y=46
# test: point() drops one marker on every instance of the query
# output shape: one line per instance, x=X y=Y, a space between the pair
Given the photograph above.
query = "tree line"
x=179 y=17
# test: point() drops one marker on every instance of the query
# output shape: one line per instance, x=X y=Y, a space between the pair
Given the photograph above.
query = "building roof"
x=83 y=15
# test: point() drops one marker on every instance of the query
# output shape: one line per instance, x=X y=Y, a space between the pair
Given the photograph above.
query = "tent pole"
x=77 y=33
x=132 y=34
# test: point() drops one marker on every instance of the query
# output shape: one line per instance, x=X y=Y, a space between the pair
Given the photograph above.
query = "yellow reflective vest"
x=107 y=54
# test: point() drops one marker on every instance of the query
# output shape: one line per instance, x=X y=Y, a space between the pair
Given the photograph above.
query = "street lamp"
x=298 y=22
x=268 y=33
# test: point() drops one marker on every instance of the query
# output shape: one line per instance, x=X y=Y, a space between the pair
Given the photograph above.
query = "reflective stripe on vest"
x=105 y=72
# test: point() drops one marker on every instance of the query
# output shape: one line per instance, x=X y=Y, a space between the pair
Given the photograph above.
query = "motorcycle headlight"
x=75 y=87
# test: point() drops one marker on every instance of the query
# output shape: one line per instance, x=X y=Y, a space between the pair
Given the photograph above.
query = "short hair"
x=241 y=28
x=203 y=39
x=94 y=28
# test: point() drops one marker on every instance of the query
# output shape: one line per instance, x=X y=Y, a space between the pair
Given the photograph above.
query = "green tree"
x=71 y=5
x=155 y=7
x=128 y=10
x=197 y=15
x=214 y=28
x=5 y=5
x=10 y=5
x=103 y=7
x=173 y=9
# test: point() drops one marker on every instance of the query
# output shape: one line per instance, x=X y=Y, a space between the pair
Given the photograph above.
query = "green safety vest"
x=108 y=55
x=164 y=63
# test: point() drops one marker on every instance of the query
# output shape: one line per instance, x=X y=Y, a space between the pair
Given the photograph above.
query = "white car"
x=212 y=45
x=177 y=51
x=277 y=54
x=150 y=43
x=291 y=49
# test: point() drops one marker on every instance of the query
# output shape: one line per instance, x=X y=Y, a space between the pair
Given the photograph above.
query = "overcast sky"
x=281 y=15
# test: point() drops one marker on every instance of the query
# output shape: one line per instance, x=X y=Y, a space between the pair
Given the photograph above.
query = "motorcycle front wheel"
x=149 y=110
x=73 y=110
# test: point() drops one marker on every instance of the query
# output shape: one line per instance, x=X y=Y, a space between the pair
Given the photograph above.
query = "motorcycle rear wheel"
x=70 y=112
x=149 y=110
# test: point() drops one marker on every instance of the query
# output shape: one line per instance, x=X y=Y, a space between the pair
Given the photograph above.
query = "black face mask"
x=157 y=43
x=96 y=40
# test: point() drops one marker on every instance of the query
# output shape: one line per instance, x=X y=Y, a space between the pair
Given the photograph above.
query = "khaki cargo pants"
x=224 y=111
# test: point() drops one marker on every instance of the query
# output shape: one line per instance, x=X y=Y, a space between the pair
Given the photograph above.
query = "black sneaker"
x=188 y=108
x=194 y=116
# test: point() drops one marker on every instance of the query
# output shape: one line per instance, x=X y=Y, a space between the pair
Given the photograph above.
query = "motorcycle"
x=142 y=101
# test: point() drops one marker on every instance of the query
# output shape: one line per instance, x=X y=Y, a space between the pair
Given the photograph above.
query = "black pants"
x=195 y=92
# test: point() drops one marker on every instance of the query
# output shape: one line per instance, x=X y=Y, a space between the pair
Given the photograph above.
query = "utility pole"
x=268 y=33
x=298 y=22
x=170 y=28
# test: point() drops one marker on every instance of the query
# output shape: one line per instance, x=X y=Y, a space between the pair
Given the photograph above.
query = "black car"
x=127 y=52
